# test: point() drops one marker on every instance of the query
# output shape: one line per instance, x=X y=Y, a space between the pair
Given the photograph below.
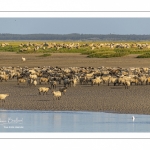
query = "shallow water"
x=71 y=121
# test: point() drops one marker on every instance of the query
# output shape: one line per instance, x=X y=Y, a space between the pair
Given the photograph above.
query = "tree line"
x=75 y=36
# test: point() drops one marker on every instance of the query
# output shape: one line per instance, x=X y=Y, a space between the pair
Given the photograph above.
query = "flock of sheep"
x=36 y=46
x=51 y=77
x=92 y=46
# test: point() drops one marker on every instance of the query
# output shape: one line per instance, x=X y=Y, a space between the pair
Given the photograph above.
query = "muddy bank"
x=82 y=97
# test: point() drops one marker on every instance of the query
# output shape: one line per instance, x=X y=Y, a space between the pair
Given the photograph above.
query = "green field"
x=92 y=49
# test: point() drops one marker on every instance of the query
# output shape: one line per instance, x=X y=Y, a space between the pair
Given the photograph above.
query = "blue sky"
x=75 y=25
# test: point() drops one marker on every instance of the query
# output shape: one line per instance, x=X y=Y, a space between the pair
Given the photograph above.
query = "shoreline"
x=67 y=111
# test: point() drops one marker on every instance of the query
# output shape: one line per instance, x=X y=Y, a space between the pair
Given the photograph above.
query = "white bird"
x=23 y=59
x=133 y=118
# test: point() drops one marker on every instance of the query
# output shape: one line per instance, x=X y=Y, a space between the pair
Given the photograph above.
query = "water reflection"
x=4 y=116
x=69 y=121
x=56 y=121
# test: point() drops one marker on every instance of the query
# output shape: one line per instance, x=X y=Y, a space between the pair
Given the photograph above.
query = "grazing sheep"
x=3 y=96
x=4 y=77
x=122 y=79
x=23 y=59
x=32 y=71
x=56 y=94
x=43 y=89
x=88 y=79
x=74 y=81
x=32 y=82
x=29 y=82
x=135 y=80
x=67 y=82
x=43 y=79
x=21 y=80
x=148 y=80
x=89 y=74
x=113 y=80
x=33 y=76
x=97 y=81
x=142 y=79
x=82 y=80
x=93 y=48
x=53 y=84
x=63 y=89
x=105 y=78
x=127 y=84
x=58 y=79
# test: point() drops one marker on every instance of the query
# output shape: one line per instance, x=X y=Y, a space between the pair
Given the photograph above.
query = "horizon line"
x=75 y=33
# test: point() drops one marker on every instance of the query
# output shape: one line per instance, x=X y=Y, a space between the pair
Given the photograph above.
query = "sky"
x=75 y=25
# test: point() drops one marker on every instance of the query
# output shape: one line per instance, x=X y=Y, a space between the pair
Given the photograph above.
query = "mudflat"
x=105 y=98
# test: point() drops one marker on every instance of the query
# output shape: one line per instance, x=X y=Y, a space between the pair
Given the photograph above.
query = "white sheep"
x=74 y=81
x=23 y=59
x=43 y=79
x=34 y=82
x=105 y=78
x=3 y=96
x=113 y=80
x=135 y=80
x=123 y=79
x=56 y=94
x=21 y=80
x=97 y=81
x=4 y=77
x=127 y=84
x=33 y=76
x=53 y=84
x=43 y=89
x=148 y=80
x=89 y=74
x=31 y=71
x=142 y=79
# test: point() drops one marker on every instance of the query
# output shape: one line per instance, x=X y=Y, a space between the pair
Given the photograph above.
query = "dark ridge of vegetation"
x=9 y=49
x=45 y=55
x=107 y=53
x=75 y=36
x=145 y=55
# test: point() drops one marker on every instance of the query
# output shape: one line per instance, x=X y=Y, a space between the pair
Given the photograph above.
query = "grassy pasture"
x=101 y=52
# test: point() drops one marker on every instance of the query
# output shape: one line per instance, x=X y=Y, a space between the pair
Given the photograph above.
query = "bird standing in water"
x=133 y=118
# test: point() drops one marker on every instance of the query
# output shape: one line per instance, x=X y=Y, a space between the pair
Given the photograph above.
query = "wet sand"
x=106 y=98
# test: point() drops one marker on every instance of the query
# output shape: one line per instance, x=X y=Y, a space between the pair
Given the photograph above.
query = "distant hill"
x=75 y=36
